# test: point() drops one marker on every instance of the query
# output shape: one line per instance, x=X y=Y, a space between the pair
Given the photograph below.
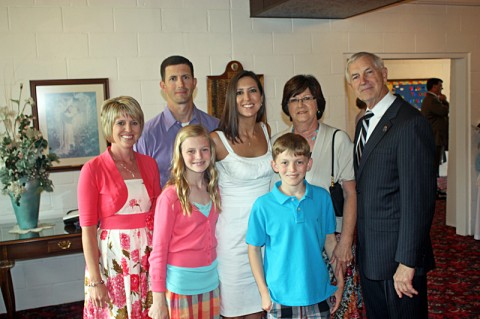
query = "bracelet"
x=95 y=284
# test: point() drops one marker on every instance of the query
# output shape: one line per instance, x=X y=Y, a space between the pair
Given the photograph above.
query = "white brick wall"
x=127 y=40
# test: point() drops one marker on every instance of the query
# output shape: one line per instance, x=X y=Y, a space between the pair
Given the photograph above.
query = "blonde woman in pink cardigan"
x=117 y=192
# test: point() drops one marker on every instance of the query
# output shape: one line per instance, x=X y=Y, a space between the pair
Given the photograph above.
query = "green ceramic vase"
x=27 y=210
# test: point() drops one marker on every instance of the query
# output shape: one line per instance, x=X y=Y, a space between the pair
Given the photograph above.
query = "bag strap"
x=332 y=179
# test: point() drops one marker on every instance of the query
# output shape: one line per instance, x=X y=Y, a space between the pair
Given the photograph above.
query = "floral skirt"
x=351 y=306
x=124 y=268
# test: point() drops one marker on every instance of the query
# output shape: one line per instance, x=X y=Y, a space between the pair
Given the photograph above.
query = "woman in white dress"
x=243 y=154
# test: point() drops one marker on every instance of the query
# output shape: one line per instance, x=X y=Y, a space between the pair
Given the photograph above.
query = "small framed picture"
x=67 y=112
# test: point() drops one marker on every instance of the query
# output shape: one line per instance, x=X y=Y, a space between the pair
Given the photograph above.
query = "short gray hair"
x=377 y=61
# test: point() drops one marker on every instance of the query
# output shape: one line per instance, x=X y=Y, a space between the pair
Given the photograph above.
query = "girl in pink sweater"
x=183 y=262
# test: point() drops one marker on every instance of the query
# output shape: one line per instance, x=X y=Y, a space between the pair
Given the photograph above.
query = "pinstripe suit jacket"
x=396 y=184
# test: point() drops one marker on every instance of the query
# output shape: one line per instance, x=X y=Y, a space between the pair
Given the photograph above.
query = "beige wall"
x=126 y=40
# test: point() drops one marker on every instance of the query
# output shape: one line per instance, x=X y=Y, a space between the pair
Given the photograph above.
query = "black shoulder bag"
x=336 y=191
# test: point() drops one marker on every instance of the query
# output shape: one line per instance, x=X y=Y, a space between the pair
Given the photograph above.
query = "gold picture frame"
x=67 y=112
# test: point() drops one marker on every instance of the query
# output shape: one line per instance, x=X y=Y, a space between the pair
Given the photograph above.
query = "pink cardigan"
x=180 y=240
x=102 y=191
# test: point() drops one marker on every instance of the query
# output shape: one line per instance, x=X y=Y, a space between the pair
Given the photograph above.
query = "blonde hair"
x=177 y=174
x=115 y=107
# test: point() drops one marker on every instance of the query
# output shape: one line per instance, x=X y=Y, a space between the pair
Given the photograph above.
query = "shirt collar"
x=382 y=106
x=282 y=198
x=170 y=120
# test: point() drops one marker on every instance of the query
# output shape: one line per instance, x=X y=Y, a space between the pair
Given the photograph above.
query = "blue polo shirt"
x=293 y=232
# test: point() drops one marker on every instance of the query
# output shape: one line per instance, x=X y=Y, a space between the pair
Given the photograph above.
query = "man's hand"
x=403 y=281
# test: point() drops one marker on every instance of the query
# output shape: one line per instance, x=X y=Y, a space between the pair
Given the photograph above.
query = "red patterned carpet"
x=454 y=286
x=66 y=311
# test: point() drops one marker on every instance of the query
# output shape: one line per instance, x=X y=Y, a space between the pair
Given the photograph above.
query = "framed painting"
x=67 y=112
x=412 y=90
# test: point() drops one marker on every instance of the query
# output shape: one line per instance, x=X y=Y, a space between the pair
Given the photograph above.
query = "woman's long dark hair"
x=229 y=120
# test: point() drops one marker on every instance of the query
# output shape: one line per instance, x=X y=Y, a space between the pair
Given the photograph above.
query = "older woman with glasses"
x=304 y=103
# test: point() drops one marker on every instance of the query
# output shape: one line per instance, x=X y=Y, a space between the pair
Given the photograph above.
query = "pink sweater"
x=102 y=191
x=180 y=240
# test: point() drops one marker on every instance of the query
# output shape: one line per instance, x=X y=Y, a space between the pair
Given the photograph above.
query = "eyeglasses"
x=305 y=99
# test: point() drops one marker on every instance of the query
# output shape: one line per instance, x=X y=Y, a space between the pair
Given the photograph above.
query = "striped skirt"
x=201 y=306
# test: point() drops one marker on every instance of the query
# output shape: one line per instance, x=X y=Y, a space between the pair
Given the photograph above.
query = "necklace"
x=314 y=136
x=311 y=136
x=126 y=168
x=248 y=139
x=122 y=165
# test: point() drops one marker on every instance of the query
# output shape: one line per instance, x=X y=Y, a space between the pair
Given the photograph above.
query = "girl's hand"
x=266 y=302
x=158 y=311
x=99 y=296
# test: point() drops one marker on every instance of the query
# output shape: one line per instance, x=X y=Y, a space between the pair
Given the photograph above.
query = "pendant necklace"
x=249 y=139
x=122 y=164
x=126 y=168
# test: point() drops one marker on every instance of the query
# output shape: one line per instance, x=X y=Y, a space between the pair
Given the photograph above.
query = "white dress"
x=241 y=180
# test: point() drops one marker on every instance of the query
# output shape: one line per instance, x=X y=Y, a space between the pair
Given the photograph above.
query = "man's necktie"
x=362 y=137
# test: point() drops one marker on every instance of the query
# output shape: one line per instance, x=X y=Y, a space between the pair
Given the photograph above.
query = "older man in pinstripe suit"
x=396 y=184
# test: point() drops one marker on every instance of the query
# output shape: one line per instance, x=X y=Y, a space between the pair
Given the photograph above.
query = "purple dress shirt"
x=159 y=135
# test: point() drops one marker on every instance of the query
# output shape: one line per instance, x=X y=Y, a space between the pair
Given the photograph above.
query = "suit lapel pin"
x=385 y=128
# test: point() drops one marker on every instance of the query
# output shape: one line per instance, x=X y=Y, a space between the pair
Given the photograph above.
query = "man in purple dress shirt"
x=178 y=84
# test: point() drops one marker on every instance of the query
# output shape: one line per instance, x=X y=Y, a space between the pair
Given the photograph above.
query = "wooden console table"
x=56 y=241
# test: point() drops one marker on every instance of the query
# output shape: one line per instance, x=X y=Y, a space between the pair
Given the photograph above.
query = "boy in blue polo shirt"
x=294 y=222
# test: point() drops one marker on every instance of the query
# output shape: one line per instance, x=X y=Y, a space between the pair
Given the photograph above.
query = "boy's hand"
x=338 y=298
x=266 y=302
